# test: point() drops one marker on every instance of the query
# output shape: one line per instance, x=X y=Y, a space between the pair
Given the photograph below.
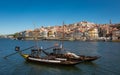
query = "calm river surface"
x=108 y=64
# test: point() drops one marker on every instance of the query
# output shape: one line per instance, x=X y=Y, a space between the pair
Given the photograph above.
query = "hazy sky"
x=19 y=15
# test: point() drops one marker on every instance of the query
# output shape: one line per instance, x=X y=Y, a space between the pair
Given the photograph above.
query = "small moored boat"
x=49 y=59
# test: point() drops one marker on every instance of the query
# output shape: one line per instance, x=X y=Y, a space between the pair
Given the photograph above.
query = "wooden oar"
x=10 y=55
x=43 y=50
x=17 y=52
x=27 y=48
x=50 y=47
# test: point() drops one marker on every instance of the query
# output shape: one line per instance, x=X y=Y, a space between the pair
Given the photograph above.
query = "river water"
x=108 y=64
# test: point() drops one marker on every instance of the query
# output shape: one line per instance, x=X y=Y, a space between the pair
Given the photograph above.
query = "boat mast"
x=63 y=35
x=36 y=39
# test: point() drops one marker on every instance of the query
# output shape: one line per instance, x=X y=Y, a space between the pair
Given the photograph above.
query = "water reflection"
x=49 y=66
x=37 y=69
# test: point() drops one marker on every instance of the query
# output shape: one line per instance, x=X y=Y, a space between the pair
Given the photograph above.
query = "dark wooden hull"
x=82 y=58
x=64 y=63
x=88 y=58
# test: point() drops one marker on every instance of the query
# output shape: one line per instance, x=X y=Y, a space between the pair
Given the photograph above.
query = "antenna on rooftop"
x=63 y=36
x=110 y=21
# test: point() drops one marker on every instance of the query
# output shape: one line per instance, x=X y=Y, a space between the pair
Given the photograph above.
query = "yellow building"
x=93 y=33
x=51 y=34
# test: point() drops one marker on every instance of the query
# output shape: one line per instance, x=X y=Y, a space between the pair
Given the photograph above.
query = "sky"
x=20 y=15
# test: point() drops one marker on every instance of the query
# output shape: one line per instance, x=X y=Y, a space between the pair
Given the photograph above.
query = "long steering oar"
x=18 y=51
x=43 y=50
x=50 y=47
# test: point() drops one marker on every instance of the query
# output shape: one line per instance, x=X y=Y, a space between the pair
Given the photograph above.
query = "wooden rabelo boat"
x=47 y=59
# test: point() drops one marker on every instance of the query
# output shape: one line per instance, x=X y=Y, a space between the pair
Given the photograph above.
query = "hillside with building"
x=84 y=31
